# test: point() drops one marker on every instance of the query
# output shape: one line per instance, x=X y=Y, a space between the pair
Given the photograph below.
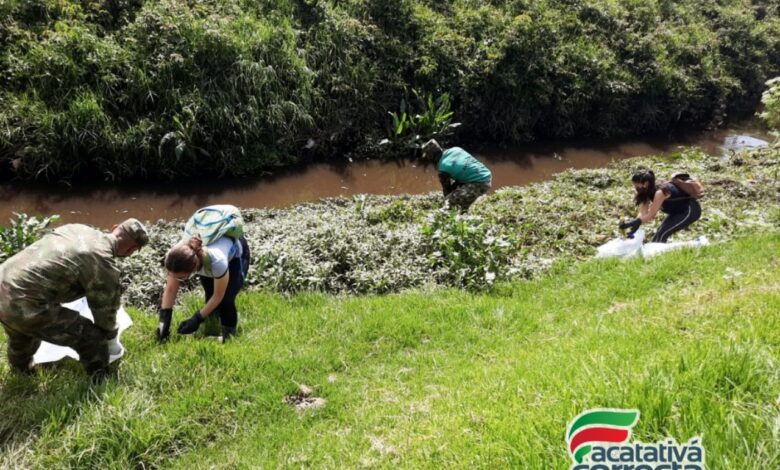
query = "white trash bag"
x=48 y=352
x=622 y=247
x=653 y=249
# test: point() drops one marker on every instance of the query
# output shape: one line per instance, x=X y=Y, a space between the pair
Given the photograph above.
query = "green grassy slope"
x=437 y=380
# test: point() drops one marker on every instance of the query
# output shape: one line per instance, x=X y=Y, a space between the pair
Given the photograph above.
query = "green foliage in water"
x=466 y=250
x=162 y=88
x=771 y=101
x=22 y=231
x=383 y=244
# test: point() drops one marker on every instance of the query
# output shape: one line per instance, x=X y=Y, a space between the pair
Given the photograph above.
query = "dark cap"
x=136 y=230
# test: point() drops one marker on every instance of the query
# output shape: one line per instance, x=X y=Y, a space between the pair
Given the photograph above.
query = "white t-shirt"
x=220 y=253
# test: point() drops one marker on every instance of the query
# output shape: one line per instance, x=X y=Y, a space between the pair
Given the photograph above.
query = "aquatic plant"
x=410 y=128
x=465 y=250
x=381 y=244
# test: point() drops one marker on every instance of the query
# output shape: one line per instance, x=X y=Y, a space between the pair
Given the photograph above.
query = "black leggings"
x=238 y=268
x=678 y=221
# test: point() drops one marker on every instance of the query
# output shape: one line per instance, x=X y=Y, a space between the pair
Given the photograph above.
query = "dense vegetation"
x=163 y=88
x=381 y=244
x=771 y=101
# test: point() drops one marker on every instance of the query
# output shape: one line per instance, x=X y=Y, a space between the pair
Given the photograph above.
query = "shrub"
x=465 y=250
x=771 y=101
x=23 y=231
x=161 y=88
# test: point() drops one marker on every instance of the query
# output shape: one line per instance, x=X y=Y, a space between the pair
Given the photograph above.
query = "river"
x=105 y=204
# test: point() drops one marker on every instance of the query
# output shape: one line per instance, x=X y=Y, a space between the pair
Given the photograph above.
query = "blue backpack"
x=214 y=222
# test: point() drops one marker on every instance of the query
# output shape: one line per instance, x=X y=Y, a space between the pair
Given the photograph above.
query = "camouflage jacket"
x=71 y=262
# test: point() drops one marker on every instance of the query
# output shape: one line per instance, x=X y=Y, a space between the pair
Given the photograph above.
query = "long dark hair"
x=185 y=257
x=647 y=194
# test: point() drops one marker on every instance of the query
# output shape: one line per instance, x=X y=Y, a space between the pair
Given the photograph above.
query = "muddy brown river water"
x=103 y=204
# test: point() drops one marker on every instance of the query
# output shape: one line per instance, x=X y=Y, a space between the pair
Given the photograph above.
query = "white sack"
x=653 y=249
x=48 y=352
x=622 y=247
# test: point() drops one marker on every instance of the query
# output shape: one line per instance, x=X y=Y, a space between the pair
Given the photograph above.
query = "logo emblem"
x=600 y=439
x=602 y=425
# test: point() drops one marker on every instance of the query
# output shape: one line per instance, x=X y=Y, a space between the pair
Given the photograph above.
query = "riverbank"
x=163 y=89
x=435 y=380
x=382 y=244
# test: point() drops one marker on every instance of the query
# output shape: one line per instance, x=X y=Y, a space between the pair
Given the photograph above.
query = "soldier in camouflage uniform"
x=463 y=178
x=71 y=262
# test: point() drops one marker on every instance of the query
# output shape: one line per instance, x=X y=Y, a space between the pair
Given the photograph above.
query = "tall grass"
x=442 y=380
x=163 y=88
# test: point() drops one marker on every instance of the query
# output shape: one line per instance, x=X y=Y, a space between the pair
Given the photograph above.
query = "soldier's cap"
x=136 y=230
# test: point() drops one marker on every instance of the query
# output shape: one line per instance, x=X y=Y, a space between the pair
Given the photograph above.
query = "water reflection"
x=103 y=205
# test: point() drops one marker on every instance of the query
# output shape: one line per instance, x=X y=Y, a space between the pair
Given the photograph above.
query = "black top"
x=677 y=202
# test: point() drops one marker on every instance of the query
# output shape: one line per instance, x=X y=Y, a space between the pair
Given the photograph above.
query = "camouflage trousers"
x=26 y=325
x=464 y=194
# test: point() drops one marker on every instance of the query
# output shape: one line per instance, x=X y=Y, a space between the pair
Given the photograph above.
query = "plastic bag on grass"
x=622 y=247
x=654 y=249
x=48 y=352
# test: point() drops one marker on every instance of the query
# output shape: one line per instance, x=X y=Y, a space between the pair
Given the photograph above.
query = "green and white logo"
x=598 y=439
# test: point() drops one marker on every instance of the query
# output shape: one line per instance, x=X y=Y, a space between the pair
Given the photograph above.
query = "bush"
x=771 y=101
x=23 y=231
x=465 y=251
x=161 y=88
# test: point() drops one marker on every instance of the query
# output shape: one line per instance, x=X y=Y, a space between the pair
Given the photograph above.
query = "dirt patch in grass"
x=304 y=399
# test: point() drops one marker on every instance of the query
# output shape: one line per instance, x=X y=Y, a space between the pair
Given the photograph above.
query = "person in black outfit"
x=222 y=267
x=682 y=209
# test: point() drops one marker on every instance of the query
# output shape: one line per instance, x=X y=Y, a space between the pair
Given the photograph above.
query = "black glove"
x=187 y=327
x=632 y=224
x=164 y=330
x=98 y=371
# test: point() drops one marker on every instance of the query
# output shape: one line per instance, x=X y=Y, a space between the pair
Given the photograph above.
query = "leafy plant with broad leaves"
x=466 y=250
x=434 y=120
x=23 y=231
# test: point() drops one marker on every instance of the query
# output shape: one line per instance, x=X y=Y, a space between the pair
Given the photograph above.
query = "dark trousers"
x=238 y=269
x=463 y=195
x=677 y=221
x=26 y=326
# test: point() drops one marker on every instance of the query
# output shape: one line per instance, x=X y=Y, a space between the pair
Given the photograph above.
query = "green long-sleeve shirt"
x=71 y=262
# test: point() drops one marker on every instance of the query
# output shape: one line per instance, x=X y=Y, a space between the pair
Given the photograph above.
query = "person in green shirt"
x=463 y=178
x=72 y=261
